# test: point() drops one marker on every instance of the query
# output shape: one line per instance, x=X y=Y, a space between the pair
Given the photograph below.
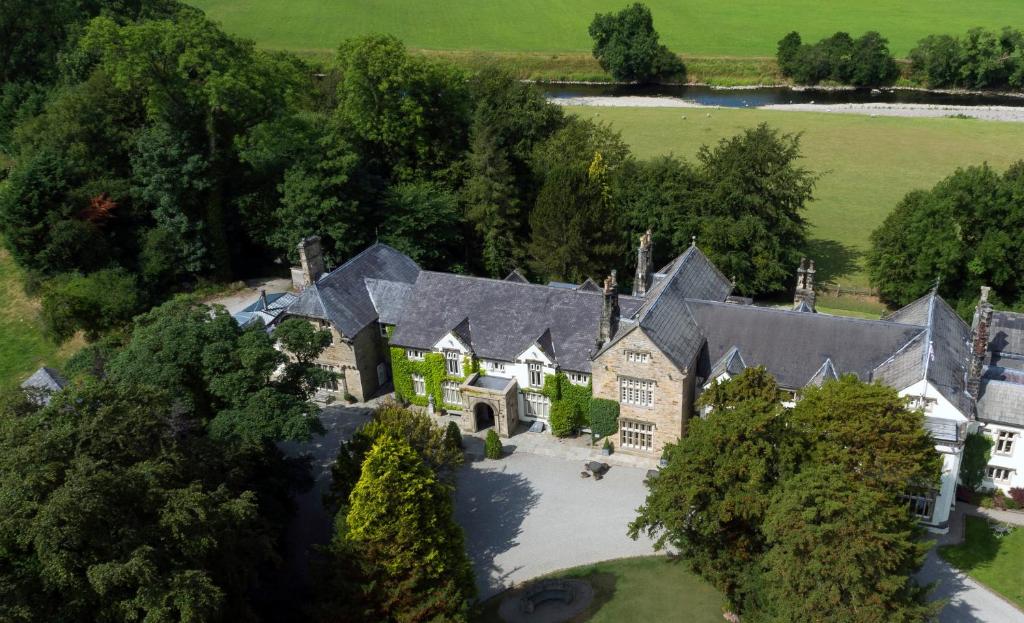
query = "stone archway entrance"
x=484 y=415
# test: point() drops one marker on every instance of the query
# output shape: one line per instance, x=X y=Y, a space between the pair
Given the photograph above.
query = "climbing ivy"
x=434 y=373
x=561 y=391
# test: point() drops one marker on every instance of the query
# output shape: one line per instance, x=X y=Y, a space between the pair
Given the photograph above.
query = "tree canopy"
x=626 y=45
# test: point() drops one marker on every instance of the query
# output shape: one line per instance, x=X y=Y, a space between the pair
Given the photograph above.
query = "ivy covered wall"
x=569 y=399
x=434 y=373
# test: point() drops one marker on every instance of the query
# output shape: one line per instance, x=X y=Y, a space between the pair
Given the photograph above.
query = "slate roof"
x=1001 y=402
x=950 y=351
x=277 y=303
x=906 y=366
x=794 y=346
x=664 y=316
x=342 y=296
x=1006 y=340
x=500 y=319
x=731 y=363
x=827 y=372
x=45 y=381
x=387 y=298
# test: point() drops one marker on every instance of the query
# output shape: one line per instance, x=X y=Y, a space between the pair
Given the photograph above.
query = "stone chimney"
x=311 y=263
x=979 y=342
x=804 y=292
x=644 y=265
x=609 y=311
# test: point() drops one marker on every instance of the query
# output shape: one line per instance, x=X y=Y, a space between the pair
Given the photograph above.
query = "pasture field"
x=867 y=164
x=23 y=348
x=694 y=28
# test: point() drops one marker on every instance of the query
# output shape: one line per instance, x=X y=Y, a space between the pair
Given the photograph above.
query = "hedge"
x=604 y=417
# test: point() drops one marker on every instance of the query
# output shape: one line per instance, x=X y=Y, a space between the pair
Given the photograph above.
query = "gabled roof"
x=277 y=303
x=949 y=353
x=731 y=363
x=515 y=275
x=664 y=316
x=914 y=313
x=44 y=382
x=906 y=366
x=506 y=317
x=342 y=295
x=589 y=286
x=803 y=307
x=792 y=346
x=1006 y=340
x=1001 y=402
x=464 y=333
x=387 y=298
x=827 y=372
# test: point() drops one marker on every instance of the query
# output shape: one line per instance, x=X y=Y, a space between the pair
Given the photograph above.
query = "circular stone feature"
x=546 y=601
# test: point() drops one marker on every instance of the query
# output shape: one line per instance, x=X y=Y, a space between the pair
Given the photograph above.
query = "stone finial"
x=693 y=240
x=803 y=295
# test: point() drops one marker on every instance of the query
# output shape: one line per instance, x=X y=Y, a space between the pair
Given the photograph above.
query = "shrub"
x=94 y=303
x=453 y=436
x=492 y=445
x=566 y=418
x=604 y=417
x=1017 y=493
x=977 y=452
x=607 y=445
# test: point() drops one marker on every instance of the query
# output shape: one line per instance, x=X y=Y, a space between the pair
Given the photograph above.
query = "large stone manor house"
x=655 y=350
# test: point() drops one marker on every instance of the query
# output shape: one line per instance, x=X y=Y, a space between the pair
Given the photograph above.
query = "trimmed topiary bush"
x=453 y=436
x=604 y=417
x=492 y=445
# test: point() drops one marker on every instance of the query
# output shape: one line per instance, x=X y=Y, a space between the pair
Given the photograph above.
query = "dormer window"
x=453 y=362
x=638 y=356
x=414 y=355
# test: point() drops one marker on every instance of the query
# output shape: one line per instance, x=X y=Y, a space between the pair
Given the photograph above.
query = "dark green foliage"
x=398 y=554
x=626 y=45
x=977 y=452
x=492 y=445
x=839 y=550
x=453 y=436
x=604 y=417
x=423 y=221
x=566 y=418
x=961 y=233
x=759 y=500
x=121 y=507
x=94 y=303
x=865 y=61
x=750 y=208
x=982 y=59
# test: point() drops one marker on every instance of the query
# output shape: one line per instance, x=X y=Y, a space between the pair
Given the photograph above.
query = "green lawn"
x=22 y=345
x=651 y=589
x=996 y=562
x=696 y=27
x=867 y=164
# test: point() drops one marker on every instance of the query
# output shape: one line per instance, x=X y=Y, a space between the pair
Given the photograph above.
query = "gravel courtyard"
x=526 y=515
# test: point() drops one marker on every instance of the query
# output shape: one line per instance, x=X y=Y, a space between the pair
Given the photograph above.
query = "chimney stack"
x=311 y=263
x=804 y=293
x=644 y=265
x=609 y=311
x=263 y=300
x=979 y=342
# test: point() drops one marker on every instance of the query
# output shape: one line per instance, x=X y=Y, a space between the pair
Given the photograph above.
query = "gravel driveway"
x=526 y=515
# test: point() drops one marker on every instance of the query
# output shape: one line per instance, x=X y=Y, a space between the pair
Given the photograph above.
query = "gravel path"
x=986 y=113
x=526 y=515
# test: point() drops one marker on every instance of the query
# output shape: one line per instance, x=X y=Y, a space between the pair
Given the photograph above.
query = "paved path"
x=1011 y=517
x=526 y=515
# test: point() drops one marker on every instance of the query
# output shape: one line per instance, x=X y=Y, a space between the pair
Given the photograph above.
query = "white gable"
x=450 y=342
x=534 y=353
x=941 y=408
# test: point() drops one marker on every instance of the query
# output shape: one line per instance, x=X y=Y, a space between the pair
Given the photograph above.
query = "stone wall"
x=358 y=358
x=673 y=392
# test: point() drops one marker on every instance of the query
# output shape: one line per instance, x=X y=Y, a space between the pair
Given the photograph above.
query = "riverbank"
x=985 y=113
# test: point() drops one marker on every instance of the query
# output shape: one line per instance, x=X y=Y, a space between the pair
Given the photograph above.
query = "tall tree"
x=424 y=222
x=400 y=543
x=839 y=550
x=754 y=194
x=626 y=45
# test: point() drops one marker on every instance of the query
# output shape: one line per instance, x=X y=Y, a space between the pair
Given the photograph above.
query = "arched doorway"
x=484 y=415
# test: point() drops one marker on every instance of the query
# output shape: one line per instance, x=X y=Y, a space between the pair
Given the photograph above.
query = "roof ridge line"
x=521 y=284
x=784 y=310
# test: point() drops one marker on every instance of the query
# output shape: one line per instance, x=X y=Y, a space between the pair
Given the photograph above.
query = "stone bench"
x=548 y=590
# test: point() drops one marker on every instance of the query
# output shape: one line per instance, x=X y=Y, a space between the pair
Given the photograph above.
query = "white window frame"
x=451 y=394
x=637 y=435
x=578 y=378
x=1001 y=475
x=1004 y=443
x=923 y=404
x=494 y=366
x=535 y=370
x=636 y=392
x=419 y=385
x=413 y=354
x=638 y=356
x=537 y=406
x=453 y=362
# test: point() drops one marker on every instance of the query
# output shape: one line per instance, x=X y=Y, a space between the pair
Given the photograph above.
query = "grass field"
x=696 y=27
x=867 y=164
x=23 y=348
x=639 y=589
x=997 y=562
